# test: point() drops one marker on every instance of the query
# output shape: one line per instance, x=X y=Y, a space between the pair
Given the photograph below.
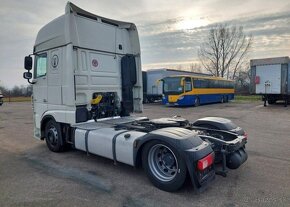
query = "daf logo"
x=54 y=61
x=95 y=63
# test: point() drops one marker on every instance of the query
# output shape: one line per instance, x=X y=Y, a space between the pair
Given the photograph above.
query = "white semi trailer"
x=270 y=78
x=87 y=80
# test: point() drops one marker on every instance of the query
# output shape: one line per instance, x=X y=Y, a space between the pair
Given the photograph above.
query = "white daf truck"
x=87 y=79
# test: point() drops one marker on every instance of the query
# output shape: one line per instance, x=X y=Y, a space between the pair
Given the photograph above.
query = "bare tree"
x=242 y=82
x=179 y=67
x=195 y=67
x=224 y=51
x=17 y=90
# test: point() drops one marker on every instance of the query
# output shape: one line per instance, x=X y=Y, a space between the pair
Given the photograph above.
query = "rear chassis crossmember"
x=228 y=144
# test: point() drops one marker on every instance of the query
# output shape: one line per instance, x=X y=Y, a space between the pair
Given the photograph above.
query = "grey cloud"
x=269 y=31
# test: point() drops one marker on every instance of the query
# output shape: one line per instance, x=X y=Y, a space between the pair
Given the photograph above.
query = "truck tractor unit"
x=269 y=78
x=87 y=80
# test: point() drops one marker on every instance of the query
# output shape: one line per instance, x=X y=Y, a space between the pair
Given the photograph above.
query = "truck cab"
x=71 y=68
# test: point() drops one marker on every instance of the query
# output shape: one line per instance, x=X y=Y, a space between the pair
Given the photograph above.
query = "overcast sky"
x=170 y=31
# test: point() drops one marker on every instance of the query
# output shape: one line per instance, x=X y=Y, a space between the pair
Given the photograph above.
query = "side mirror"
x=27 y=63
x=27 y=75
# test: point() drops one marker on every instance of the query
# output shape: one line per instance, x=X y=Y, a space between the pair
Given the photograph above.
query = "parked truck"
x=1 y=98
x=87 y=80
x=269 y=78
x=152 y=90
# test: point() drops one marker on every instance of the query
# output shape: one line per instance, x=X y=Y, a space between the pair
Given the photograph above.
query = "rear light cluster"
x=246 y=135
x=205 y=162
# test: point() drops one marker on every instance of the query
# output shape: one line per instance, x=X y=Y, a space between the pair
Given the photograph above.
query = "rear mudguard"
x=189 y=145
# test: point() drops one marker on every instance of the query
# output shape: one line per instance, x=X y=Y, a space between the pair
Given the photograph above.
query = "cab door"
x=54 y=77
x=39 y=90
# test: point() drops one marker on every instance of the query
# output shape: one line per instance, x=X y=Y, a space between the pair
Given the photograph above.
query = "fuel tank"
x=236 y=159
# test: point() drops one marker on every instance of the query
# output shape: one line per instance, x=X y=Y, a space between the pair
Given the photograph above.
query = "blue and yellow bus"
x=195 y=90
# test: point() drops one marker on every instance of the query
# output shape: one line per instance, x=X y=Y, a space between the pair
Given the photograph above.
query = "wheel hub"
x=168 y=159
x=162 y=162
x=52 y=135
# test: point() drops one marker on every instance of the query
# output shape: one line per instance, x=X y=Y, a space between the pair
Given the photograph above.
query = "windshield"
x=172 y=85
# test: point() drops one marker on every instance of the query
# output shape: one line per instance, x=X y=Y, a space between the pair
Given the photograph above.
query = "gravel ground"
x=31 y=175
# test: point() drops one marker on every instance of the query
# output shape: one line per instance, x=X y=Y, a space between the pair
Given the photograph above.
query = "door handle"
x=44 y=100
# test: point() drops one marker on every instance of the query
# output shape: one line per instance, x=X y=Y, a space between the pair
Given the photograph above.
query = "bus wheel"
x=196 y=102
x=226 y=99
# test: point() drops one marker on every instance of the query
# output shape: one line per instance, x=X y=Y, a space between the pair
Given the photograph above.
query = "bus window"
x=196 y=83
x=205 y=83
x=210 y=84
x=187 y=85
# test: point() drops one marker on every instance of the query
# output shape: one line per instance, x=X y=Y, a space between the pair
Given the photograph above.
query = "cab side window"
x=40 y=65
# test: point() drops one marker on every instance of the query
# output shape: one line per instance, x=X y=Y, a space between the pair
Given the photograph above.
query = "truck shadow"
x=91 y=170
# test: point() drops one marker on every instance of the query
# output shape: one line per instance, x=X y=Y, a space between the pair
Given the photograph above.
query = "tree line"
x=16 y=91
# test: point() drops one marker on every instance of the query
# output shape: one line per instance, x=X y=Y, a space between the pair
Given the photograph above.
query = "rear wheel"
x=271 y=101
x=164 y=166
x=226 y=99
x=53 y=136
x=151 y=100
x=196 y=102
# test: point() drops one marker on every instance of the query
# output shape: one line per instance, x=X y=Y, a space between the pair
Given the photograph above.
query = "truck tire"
x=53 y=136
x=164 y=166
x=151 y=100
x=271 y=101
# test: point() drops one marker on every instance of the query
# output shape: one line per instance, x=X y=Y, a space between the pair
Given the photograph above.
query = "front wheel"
x=53 y=136
x=164 y=166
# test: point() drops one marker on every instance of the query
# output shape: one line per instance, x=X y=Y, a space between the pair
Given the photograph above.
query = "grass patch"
x=17 y=99
x=241 y=98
